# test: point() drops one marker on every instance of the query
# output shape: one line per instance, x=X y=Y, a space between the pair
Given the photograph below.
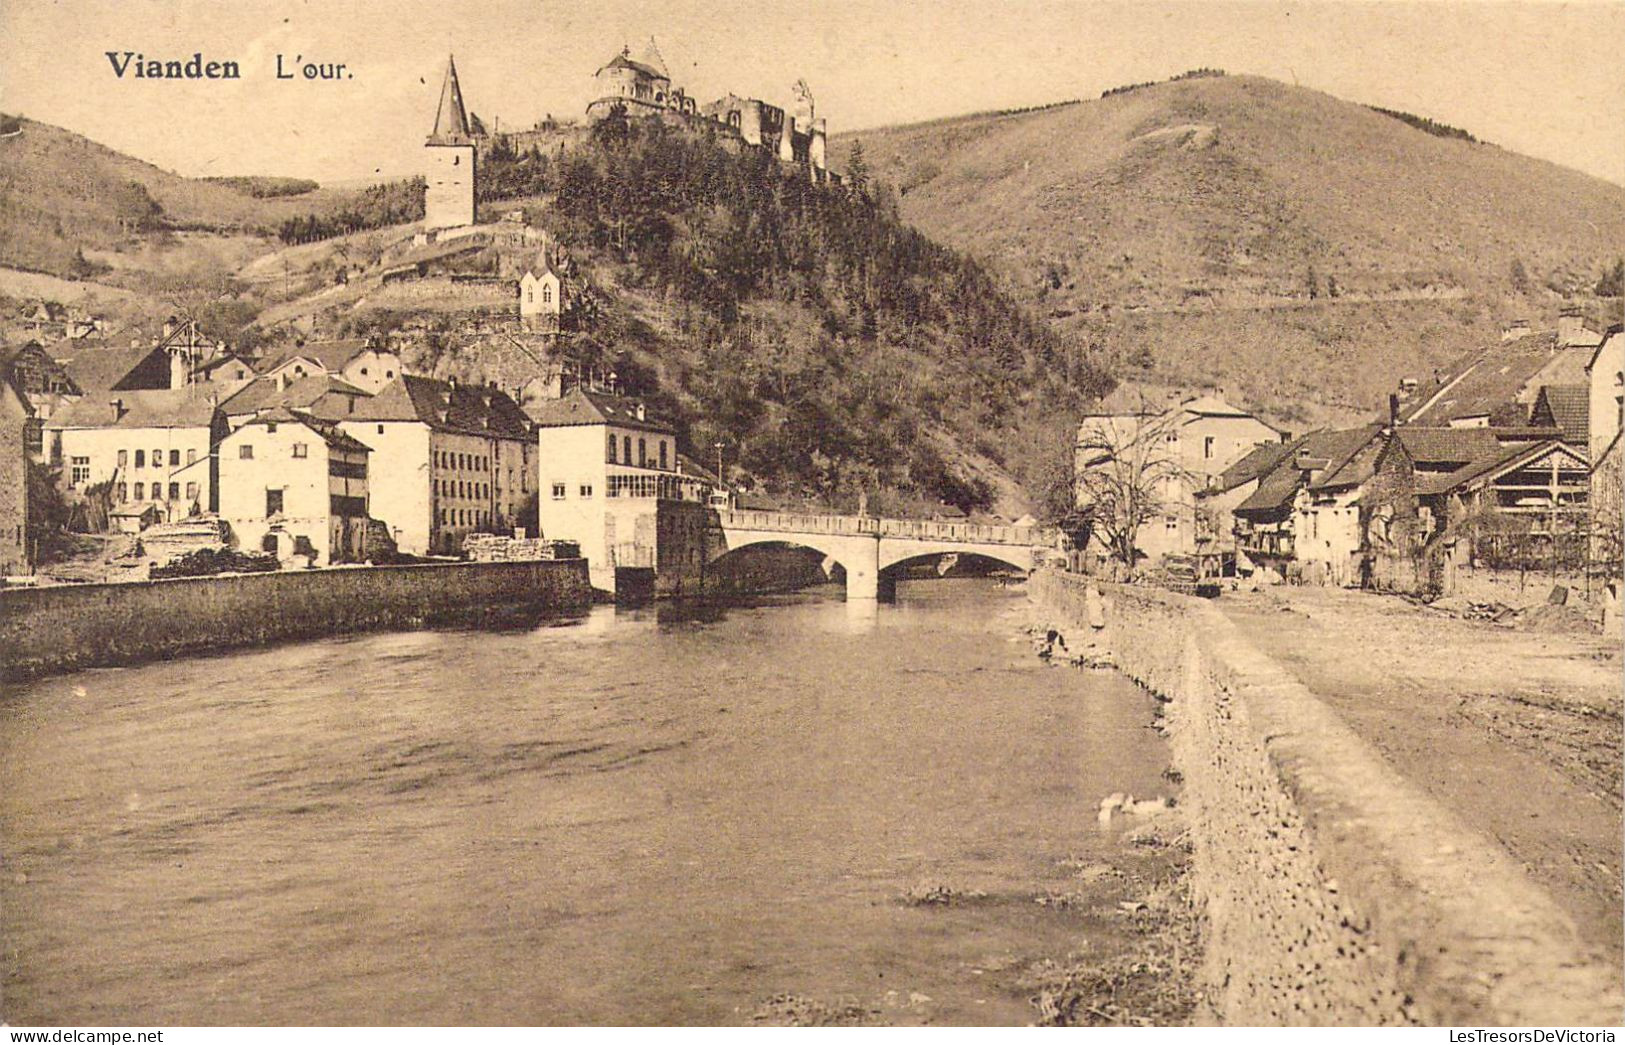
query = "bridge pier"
x=862 y=563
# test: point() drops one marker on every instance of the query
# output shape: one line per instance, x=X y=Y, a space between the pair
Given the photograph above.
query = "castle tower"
x=787 y=139
x=449 y=201
x=816 y=149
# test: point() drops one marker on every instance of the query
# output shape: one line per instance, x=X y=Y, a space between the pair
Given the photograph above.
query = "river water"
x=662 y=815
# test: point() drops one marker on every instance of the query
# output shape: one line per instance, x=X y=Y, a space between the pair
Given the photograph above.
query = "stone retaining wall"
x=1335 y=892
x=45 y=630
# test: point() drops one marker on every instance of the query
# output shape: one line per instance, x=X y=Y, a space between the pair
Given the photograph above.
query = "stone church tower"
x=449 y=201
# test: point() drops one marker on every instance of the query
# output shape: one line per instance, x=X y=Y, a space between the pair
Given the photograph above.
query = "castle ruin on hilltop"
x=640 y=89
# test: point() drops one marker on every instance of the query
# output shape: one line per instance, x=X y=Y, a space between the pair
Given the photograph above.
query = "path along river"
x=662 y=815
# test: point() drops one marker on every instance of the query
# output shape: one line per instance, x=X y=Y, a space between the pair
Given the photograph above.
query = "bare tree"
x=1129 y=471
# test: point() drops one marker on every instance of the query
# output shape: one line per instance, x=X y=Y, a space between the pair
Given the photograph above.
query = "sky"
x=1539 y=77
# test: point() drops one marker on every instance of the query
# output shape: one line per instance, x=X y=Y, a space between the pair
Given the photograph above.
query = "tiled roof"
x=1350 y=453
x=332 y=355
x=1487 y=385
x=327 y=430
x=1446 y=446
x=1489 y=465
x=190 y=407
x=469 y=409
x=1568 y=408
x=324 y=393
x=96 y=367
x=581 y=407
x=1257 y=462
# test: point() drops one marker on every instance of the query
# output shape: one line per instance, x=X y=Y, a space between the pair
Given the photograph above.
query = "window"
x=1207 y=447
x=174 y=458
x=626 y=449
x=273 y=503
x=547 y=295
x=300 y=450
x=643 y=452
x=270 y=426
x=123 y=492
x=191 y=491
x=174 y=491
x=612 y=448
x=558 y=491
x=530 y=295
x=81 y=471
x=245 y=452
x=380 y=429
x=191 y=456
x=123 y=458
x=586 y=490
x=662 y=453
x=140 y=458
x=157 y=458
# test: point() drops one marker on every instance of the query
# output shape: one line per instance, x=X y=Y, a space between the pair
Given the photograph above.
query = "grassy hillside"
x=1210 y=222
x=62 y=194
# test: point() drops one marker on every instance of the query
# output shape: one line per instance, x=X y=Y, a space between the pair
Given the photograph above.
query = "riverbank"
x=51 y=630
x=1516 y=731
x=1334 y=890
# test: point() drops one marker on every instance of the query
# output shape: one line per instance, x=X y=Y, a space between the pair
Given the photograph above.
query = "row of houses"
x=300 y=452
x=1500 y=454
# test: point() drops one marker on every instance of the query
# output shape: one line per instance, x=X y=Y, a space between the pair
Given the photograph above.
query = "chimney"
x=118 y=410
x=1570 y=326
x=1515 y=329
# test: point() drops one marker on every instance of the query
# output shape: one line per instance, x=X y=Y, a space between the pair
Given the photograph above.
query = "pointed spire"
x=651 y=57
x=451 y=119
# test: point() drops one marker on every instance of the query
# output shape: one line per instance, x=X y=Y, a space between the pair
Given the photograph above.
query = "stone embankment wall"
x=1333 y=890
x=45 y=630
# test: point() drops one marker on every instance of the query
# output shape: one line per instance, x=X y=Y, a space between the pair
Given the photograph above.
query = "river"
x=672 y=814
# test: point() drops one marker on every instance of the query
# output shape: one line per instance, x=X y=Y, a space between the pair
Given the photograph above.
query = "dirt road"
x=1517 y=731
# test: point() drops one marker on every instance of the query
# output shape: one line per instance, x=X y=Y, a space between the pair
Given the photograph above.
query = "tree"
x=857 y=168
x=1612 y=282
x=1519 y=276
x=1129 y=472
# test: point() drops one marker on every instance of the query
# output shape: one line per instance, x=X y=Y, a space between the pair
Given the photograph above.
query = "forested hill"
x=831 y=347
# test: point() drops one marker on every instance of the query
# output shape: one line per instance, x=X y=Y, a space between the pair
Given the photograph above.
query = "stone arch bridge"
x=867 y=547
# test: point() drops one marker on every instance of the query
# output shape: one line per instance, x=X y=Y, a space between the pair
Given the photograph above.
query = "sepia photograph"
x=765 y=514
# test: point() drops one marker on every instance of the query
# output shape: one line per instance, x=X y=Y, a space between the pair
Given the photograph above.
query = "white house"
x=294 y=485
x=150 y=445
x=605 y=464
x=541 y=296
x=447 y=460
x=1169 y=453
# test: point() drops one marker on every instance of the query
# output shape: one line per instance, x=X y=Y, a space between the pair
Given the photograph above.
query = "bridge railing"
x=908 y=529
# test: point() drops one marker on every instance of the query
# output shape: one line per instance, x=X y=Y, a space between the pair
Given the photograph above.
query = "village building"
x=448 y=201
x=43 y=384
x=318 y=393
x=541 y=296
x=295 y=486
x=448 y=460
x=358 y=362
x=1498 y=386
x=15 y=421
x=144 y=445
x=1605 y=393
x=1169 y=455
x=607 y=467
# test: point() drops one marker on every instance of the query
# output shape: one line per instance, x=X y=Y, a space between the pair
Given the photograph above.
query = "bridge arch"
x=897 y=553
